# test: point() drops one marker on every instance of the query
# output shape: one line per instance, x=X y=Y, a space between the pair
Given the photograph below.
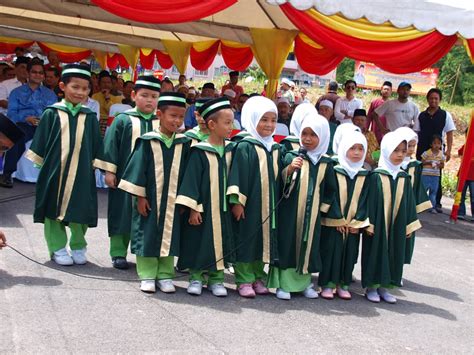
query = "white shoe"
x=283 y=295
x=195 y=288
x=62 y=257
x=79 y=256
x=218 y=290
x=310 y=292
x=148 y=286
x=166 y=286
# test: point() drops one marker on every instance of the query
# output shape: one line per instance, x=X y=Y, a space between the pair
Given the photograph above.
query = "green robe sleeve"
x=412 y=222
x=108 y=159
x=329 y=203
x=421 y=197
x=39 y=145
x=135 y=175
x=361 y=218
x=189 y=190
x=239 y=177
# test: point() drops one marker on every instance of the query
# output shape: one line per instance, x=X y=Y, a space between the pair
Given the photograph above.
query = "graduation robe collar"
x=401 y=173
x=341 y=170
x=134 y=112
x=292 y=139
x=196 y=134
x=206 y=146
x=61 y=106
x=252 y=140
x=178 y=138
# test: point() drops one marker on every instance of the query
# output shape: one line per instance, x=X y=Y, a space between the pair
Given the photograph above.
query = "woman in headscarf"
x=340 y=244
x=254 y=188
x=392 y=219
x=413 y=168
x=311 y=186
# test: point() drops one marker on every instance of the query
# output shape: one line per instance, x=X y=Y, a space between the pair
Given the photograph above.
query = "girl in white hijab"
x=392 y=220
x=342 y=131
x=302 y=112
x=412 y=140
x=254 y=189
x=340 y=244
x=299 y=229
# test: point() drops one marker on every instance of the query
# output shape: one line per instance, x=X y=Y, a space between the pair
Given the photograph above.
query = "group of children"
x=212 y=202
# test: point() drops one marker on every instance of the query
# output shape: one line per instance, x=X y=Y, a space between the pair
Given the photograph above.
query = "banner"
x=368 y=75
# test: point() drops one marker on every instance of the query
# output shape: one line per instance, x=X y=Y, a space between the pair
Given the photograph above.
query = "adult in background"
x=7 y=86
x=9 y=135
x=399 y=112
x=326 y=109
x=167 y=85
x=238 y=109
x=51 y=81
x=105 y=99
x=284 y=111
x=331 y=95
x=53 y=61
x=127 y=93
x=208 y=92
x=181 y=82
x=303 y=96
x=345 y=106
x=233 y=85
x=360 y=120
x=385 y=92
x=434 y=121
x=25 y=106
x=286 y=92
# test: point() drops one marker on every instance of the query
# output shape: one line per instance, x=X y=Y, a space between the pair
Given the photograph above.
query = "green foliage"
x=345 y=70
x=457 y=58
x=449 y=182
x=256 y=73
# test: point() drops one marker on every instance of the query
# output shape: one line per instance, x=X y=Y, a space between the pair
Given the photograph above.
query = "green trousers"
x=247 y=273
x=56 y=237
x=214 y=277
x=119 y=245
x=152 y=268
x=288 y=280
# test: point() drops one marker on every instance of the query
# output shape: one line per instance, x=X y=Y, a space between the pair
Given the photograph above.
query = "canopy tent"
x=400 y=36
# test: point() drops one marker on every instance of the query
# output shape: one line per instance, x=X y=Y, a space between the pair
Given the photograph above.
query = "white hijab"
x=252 y=112
x=320 y=126
x=389 y=143
x=302 y=111
x=341 y=132
x=349 y=141
x=409 y=135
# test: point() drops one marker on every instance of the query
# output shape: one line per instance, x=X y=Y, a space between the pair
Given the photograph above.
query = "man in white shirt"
x=399 y=112
x=7 y=86
x=345 y=106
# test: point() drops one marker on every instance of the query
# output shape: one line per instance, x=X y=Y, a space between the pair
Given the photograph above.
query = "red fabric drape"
x=236 y=58
x=147 y=61
x=164 y=11
x=319 y=61
x=396 y=57
x=66 y=57
x=470 y=44
x=164 y=59
x=8 y=48
x=203 y=60
x=115 y=60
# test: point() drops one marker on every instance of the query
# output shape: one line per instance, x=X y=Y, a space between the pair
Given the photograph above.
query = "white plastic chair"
x=282 y=130
x=25 y=170
x=237 y=125
x=118 y=108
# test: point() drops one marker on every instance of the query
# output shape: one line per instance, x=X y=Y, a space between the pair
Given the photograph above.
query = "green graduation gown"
x=392 y=219
x=155 y=171
x=423 y=203
x=339 y=252
x=118 y=144
x=299 y=229
x=332 y=130
x=254 y=180
x=65 y=147
x=208 y=246
x=289 y=143
x=239 y=136
x=196 y=135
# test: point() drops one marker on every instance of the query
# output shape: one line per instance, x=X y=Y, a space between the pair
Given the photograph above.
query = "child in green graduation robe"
x=342 y=131
x=413 y=168
x=311 y=192
x=200 y=132
x=118 y=144
x=207 y=241
x=292 y=142
x=65 y=145
x=153 y=174
x=392 y=219
x=340 y=243
x=254 y=190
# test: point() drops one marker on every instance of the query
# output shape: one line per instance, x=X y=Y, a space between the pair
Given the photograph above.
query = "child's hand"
x=143 y=206
x=353 y=230
x=182 y=210
x=110 y=180
x=370 y=234
x=342 y=229
x=297 y=163
x=238 y=212
x=195 y=218
x=3 y=240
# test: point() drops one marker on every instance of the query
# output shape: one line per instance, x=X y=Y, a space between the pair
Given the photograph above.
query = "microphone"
x=301 y=154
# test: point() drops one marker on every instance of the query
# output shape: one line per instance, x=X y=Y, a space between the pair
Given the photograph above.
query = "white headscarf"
x=342 y=131
x=349 y=141
x=320 y=126
x=252 y=112
x=409 y=135
x=389 y=143
x=302 y=111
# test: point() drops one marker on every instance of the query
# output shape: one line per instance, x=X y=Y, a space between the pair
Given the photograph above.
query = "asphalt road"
x=43 y=310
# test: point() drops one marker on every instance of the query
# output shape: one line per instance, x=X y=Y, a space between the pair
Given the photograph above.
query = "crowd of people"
x=180 y=188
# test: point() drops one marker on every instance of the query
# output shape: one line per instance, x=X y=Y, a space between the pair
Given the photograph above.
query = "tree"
x=345 y=70
x=256 y=73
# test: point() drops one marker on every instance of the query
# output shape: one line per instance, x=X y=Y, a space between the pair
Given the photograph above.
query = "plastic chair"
x=282 y=130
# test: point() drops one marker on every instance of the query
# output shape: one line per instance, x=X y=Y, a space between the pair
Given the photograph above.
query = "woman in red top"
x=468 y=184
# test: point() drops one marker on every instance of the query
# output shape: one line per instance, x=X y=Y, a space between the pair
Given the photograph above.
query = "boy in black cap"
x=200 y=132
x=65 y=144
x=118 y=145
x=207 y=235
x=153 y=174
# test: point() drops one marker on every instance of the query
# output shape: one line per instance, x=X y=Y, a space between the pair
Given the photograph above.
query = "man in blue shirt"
x=208 y=91
x=25 y=106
